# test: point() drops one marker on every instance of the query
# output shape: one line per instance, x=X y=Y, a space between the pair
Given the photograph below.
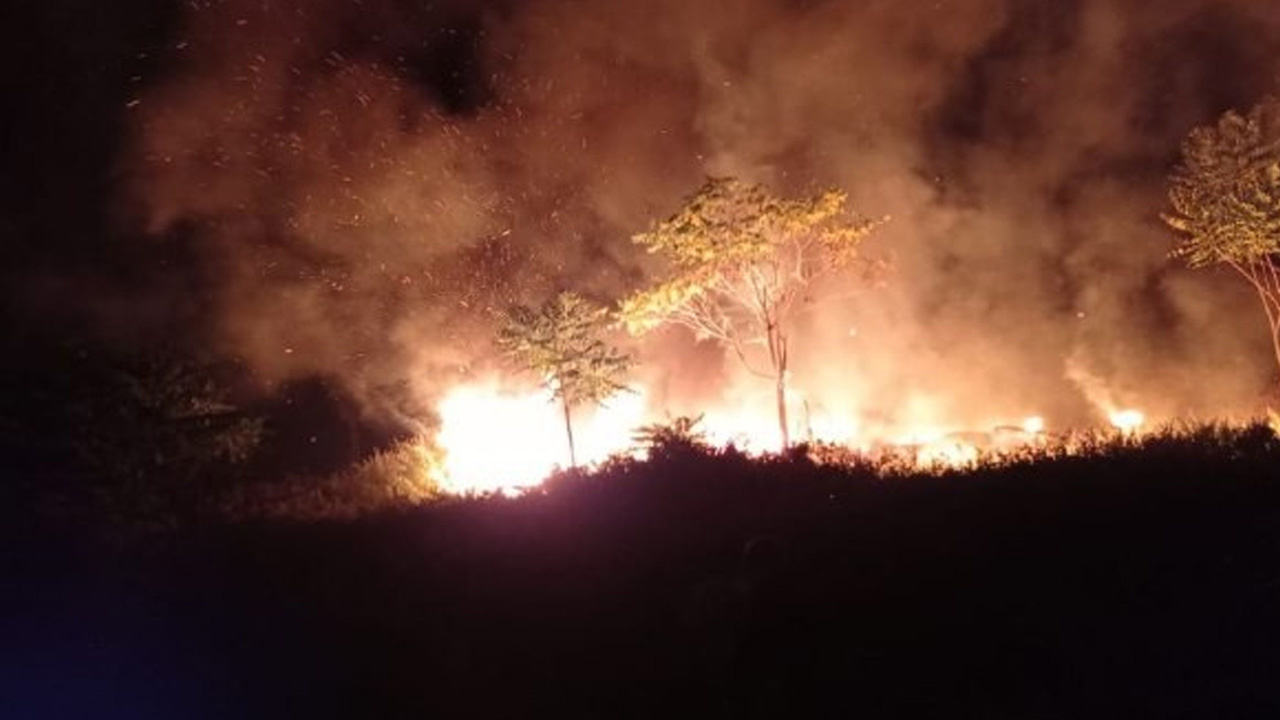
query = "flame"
x=947 y=453
x=1126 y=420
x=494 y=440
x=748 y=429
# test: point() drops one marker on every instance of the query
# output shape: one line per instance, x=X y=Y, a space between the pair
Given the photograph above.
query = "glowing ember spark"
x=1126 y=421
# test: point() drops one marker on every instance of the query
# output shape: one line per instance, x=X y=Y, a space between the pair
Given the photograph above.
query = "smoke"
x=371 y=180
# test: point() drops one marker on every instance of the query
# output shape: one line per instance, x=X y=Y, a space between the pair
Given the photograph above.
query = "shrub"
x=400 y=476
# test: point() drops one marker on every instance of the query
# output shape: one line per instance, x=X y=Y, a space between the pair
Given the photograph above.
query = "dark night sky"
x=243 y=177
x=68 y=71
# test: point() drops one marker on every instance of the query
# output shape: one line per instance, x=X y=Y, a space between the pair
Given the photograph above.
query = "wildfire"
x=495 y=440
x=1127 y=421
x=947 y=453
x=742 y=427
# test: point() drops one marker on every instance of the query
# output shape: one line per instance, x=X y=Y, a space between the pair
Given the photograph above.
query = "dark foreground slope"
x=1136 y=583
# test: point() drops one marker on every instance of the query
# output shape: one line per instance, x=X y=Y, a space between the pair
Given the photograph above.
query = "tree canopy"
x=741 y=261
x=1225 y=192
x=1225 y=196
x=562 y=341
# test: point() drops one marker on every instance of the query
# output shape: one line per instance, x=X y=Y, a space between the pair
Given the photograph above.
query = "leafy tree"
x=160 y=435
x=561 y=342
x=167 y=411
x=1225 y=195
x=743 y=263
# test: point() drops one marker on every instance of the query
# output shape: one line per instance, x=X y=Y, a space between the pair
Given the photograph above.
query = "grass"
x=1129 y=577
x=398 y=477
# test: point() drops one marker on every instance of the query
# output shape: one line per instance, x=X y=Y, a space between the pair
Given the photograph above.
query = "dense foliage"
x=1225 y=196
x=1225 y=193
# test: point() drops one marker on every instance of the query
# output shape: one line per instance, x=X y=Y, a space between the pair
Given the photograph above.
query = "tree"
x=561 y=342
x=743 y=262
x=159 y=434
x=1225 y=195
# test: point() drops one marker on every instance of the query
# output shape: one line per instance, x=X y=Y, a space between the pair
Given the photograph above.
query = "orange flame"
x=1127 y=421
x=499 y=441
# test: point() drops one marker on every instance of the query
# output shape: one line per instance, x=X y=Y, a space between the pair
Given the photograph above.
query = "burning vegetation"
x=462 y=218
x=364 y=356
x=507 y=441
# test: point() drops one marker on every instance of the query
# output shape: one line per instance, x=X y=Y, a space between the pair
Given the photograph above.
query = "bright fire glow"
x=1127 y=421
x=744 y=428
x=947 y=453
x=498 y=441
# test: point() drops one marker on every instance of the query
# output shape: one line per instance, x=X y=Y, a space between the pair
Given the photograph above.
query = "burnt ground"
x=1137 y=584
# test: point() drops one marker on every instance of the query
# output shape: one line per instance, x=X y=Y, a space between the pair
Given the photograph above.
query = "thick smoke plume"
x=372 y=179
